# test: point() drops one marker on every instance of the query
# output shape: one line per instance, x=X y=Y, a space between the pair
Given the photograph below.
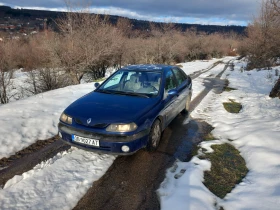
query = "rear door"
x=182 y=88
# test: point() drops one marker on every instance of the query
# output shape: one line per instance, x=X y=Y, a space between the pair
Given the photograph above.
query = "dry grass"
x=232 y=106
x=209 y=137
x=228 y=168
x=228 y=89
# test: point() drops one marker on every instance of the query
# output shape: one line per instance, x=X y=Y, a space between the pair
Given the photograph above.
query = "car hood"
x=102 y=108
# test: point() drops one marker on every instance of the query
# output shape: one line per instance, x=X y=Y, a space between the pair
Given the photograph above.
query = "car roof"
x=148 y=67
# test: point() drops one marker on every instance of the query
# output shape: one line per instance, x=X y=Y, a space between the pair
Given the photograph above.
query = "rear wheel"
x=187 y=106
x=154 y=136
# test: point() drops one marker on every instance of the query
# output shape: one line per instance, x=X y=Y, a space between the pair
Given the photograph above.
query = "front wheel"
x=154 y=136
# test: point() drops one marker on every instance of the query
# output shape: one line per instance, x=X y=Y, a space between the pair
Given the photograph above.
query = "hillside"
x=42 y=18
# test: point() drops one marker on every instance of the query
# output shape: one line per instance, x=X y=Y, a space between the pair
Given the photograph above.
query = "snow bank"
x=185 y=191
x=25 y=121
x=58 y=183
x=255 y=132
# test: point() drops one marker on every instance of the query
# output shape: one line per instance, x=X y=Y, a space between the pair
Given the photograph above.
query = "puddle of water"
x=196 y=130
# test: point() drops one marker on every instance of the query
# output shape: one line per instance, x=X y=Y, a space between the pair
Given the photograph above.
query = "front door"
x=169 y=111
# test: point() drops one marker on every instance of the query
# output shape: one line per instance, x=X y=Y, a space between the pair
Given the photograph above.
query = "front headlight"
x=65 y=118
x=122 y=127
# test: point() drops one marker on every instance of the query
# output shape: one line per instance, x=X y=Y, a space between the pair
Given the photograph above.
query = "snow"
x=198 y=65
x=255 y=132
x=21 y=85
x=25 y=121
x=194 y=66
x=58 y=183
x=198 y=83
x=187 y=191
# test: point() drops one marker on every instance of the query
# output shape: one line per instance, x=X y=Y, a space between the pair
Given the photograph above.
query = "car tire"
x=154 y=136
x=187 y=106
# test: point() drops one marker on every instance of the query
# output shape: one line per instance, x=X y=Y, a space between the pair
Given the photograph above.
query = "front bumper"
x=107 y=143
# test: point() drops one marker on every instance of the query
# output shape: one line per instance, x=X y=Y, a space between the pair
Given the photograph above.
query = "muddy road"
x=131 y=181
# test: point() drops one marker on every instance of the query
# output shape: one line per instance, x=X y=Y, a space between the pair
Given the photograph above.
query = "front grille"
x=98 y=125
x=78 y=121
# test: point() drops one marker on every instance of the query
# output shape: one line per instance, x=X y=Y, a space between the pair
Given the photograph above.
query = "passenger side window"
x=170 y=82
x=129 y=74
x=180 y=76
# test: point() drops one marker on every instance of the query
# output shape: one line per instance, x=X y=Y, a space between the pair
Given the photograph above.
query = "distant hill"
x=28 y=14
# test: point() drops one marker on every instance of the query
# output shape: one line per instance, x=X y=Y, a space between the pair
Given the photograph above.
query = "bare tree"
x=276 y=6
x=125 y=27
x=87 y=44
x=263 y=36
x=43 y=80
x=6 y=72
x=5 y=83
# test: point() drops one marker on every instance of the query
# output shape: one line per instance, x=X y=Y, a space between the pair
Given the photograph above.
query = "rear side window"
x=180 y=76
x=170 y=81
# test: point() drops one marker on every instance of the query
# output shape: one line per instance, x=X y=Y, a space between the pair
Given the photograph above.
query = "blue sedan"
x=128 y=111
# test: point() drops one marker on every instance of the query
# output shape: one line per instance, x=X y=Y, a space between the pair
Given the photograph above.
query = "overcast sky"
x=218 y=12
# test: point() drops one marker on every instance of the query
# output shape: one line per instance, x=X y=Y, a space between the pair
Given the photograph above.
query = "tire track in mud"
x=27 y=161
x=131 y=181
x=39 y=144
x=211 y=83
x=198 y=73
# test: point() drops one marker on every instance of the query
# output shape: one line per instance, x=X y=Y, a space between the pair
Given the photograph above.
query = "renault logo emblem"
x=88 y=120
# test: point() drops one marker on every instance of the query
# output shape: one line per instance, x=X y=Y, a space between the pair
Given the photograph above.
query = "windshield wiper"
x=105 y=91
x=131 y=94
x=137 y=94
x=122 y=93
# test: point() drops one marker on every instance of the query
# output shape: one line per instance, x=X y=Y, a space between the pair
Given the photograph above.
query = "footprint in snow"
x=182 y=171
x=174 y=168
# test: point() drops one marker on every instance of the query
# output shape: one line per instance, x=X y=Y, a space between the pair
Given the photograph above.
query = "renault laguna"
x=128 y=111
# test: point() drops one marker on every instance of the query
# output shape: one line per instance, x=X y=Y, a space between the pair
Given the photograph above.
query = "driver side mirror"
x=96 y=85
x=172 y=92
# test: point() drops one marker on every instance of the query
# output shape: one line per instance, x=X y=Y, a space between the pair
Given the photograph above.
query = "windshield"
x=137 y=83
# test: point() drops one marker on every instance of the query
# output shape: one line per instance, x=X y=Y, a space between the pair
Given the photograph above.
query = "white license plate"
x=82 y=140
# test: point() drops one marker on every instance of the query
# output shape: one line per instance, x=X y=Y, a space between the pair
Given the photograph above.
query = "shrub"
x=46 y=79
x=263 y=36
